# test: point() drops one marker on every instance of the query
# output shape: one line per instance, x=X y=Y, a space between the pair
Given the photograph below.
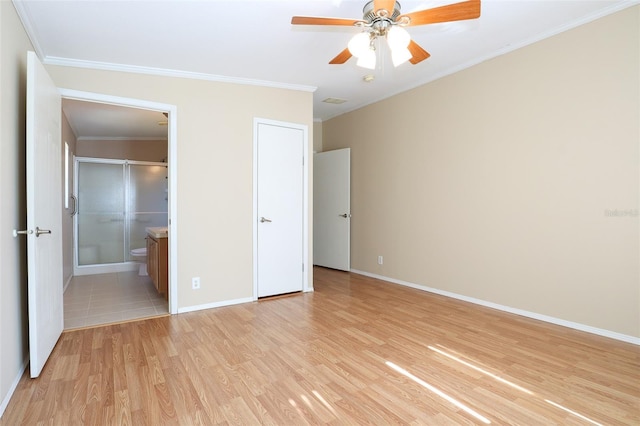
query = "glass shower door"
x=148 y=201
x=101 y=213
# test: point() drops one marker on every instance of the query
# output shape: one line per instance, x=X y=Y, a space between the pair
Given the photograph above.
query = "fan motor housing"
x=369 y=15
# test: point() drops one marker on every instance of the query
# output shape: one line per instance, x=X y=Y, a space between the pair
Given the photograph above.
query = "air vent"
x=336 y=101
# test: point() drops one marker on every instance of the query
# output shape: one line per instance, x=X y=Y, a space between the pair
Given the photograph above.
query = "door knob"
x=25 y=232
x=42 y=231
x=345 y=215
x=38 y=232
x=264 y=219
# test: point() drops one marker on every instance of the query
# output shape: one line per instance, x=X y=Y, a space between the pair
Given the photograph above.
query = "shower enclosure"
x=117 y=201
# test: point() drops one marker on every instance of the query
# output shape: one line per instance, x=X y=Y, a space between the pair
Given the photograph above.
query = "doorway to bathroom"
x=121 y=183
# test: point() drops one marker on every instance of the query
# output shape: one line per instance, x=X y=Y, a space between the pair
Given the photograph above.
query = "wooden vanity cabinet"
x=157 y=263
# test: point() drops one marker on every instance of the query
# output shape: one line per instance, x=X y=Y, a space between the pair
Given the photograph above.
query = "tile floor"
x=107 y=298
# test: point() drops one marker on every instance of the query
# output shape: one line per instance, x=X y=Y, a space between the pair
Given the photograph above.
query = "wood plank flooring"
x=356 y=351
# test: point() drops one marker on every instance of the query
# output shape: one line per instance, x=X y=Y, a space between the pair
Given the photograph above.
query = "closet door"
x=280 y=206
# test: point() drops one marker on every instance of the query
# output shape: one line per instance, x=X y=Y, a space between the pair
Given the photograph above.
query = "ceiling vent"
x=336 y=101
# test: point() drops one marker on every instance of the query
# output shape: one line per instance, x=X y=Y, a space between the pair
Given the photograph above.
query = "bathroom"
x=116 y=185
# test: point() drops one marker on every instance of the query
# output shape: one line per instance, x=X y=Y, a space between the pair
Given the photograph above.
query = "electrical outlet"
x=195 y=283
x=380 y=260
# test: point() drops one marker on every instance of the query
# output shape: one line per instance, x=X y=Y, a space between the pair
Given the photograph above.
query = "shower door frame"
x=125 y=265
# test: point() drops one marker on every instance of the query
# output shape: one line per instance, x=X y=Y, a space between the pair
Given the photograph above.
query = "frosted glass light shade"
x=359 y=44
x=398 y=38
x=400 y=56
x=367 y=60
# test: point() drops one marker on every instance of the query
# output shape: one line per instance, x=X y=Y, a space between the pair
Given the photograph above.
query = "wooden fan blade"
x=387 y=5
x=417 y=52
x=453 y=12
x=342 y=57
x=314 y=20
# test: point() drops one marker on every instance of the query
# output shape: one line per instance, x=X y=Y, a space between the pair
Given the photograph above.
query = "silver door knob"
x=264 y=219
x=42 y=231
x=25 y=232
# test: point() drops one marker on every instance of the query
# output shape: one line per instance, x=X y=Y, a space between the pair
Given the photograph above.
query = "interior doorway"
x=128 y=285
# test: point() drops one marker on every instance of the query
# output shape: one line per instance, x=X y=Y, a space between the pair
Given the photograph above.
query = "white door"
x=280 y=209
x=332 y=209
x=44 y=214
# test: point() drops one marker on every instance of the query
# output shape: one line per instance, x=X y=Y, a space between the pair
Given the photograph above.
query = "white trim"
x=165 y=72
x=14 y=385
x=172 y=161
x=120 y=138
x=574 y=325
x=102 y=98
x=307 y=286
x=215 y=305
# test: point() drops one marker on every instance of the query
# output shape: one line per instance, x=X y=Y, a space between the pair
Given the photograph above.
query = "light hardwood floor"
x=356 y=351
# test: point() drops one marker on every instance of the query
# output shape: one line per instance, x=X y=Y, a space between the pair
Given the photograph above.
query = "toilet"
x=140 y=255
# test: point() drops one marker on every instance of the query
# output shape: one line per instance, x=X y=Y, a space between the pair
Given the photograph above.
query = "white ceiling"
x=253 y=41
x=103 y=121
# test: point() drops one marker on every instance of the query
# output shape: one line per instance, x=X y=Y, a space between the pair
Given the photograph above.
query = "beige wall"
x=13 y=251
x=214 y=167
x=497 y=182
x=67 y=219
x=139 y=150
x=317 y=136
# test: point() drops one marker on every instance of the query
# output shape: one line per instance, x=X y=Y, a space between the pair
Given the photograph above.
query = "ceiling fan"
x=382 y=18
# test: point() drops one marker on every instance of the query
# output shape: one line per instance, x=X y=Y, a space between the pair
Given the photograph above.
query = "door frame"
x=172 y=143
x=305 y=200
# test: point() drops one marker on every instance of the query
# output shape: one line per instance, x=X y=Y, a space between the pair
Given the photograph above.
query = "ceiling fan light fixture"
x=400 y=56
x=359 y=45
x=398 y=38
x=368 y=60
x=382 y=18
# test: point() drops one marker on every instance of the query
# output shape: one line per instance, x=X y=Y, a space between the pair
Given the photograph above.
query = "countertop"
x=158 y=231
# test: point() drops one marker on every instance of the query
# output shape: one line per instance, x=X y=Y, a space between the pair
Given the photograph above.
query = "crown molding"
x=164 y=72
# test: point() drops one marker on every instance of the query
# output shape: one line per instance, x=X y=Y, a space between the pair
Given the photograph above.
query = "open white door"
x=44 y=214
x=332 y=209
x=280 y=208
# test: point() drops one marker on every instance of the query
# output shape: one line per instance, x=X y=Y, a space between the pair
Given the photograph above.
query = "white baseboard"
x=533 y=315
x=214 y=305
x=13 y=387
